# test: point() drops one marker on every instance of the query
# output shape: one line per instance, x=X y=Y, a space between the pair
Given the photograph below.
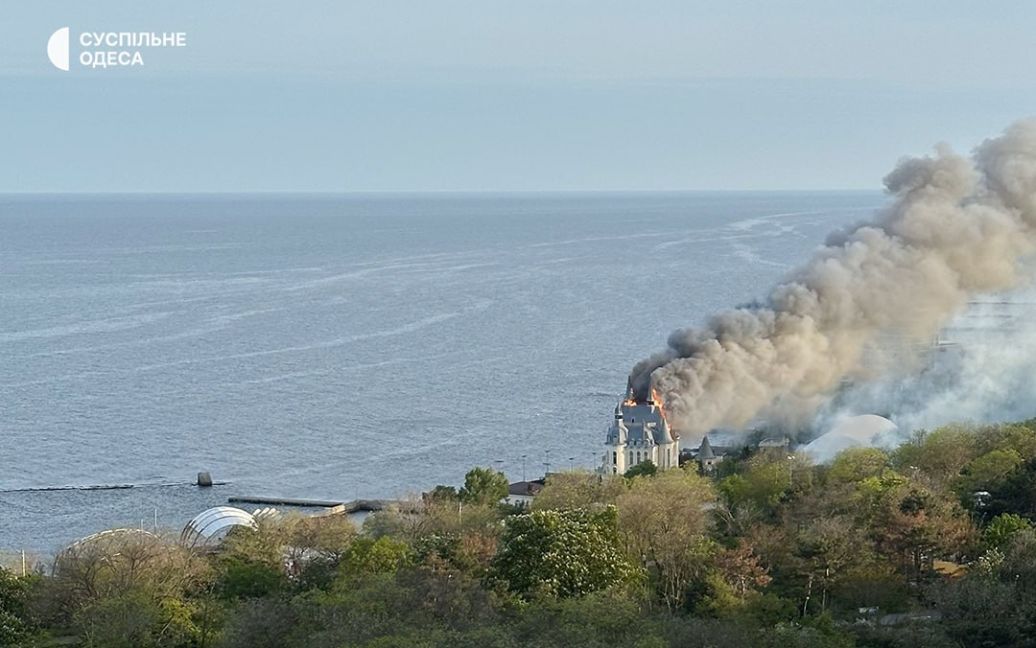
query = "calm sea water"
x=336 y=347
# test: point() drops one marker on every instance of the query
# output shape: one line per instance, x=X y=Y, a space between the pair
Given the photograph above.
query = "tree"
x=314 y=546
x=663 y=521
x=261 y=623
x=242 y=578
x=110 y=564
x=562 y=554
x=1019 y=564
x=643 y=469
x=134 y=619
x=1016 y=492
x=919 y=526
x=856 y=464
x=128 y=587
x=577 y=489
x=454 y=518
x=15 y=626
x=1020 y=437
x=823 y=549
x=326 y=536
x=600 y=619
x=939 y=455
x=766 y=480
x=251 y=562
x=443 y=493
x=871 y=582
x=484 y=486
x=382 y=556
x=987 y=472
x=980 y=610
x=742 y=569
x=1002 y=529
x=775 y=562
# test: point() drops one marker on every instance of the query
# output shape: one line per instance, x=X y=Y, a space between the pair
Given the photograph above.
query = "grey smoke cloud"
x=984 y=376
x=957 y=227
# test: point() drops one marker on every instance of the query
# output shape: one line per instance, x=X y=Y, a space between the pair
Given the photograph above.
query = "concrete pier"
x=283 y=501
x=332 y=507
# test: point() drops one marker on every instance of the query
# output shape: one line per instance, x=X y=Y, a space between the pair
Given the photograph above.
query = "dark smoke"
x=956 y=228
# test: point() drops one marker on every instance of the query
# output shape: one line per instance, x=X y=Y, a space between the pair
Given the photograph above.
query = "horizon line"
x=421 y=192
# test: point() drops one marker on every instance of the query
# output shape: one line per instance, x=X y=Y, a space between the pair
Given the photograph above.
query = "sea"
x=344 y=346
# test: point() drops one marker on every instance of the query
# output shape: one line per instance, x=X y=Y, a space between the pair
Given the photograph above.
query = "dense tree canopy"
x=768 y=551
x=484 y=486
x=562 y=553
x=643 y=469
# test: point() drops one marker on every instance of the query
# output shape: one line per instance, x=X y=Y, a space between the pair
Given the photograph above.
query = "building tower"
x=707 y=457
x=639 y=432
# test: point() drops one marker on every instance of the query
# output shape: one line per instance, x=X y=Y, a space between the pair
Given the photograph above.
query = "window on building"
x=615 y=458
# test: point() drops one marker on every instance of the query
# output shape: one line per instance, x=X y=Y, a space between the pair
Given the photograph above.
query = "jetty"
x=332 y=507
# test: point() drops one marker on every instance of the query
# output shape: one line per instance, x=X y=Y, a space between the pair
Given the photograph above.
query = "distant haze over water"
x=343 y=346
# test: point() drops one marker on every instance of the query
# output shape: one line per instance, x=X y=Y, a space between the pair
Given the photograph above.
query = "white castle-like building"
x=640 y=433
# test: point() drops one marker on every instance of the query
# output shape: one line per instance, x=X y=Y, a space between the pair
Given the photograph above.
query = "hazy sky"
x=483 y=95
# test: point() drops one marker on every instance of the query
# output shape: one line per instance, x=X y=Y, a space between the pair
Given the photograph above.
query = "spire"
x=705 y=449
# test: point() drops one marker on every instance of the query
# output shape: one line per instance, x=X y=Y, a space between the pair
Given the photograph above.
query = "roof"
x=526 y=487
x=212 y=524
x=108 y=539
x=639 y=423
x=705 y=449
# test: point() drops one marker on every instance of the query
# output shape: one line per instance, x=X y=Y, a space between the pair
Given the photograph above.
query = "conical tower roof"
x=705 y=450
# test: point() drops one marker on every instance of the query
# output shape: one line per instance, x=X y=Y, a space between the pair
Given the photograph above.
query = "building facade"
x=639 y=432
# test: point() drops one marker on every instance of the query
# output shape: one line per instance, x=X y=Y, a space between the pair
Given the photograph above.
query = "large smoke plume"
x=956 y=228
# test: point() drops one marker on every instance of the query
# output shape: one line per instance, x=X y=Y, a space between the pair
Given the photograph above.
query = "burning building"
x=640 y=432
x=955 y=229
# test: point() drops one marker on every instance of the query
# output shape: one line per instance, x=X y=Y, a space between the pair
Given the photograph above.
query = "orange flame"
x=656 y=399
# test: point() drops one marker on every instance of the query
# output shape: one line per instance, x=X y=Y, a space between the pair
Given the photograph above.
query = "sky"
x=523 y=95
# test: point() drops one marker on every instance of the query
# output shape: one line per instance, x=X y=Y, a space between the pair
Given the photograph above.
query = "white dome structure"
x=865 y=431
x=212 y=525
x=110 y=548
x=107 y=540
